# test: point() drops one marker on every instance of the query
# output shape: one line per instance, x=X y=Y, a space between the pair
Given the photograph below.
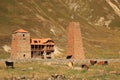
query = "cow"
x=69 y=57
x=103 y=63
x=70 y=64
x=9 y=64
x=92 y=62
x=85 y=66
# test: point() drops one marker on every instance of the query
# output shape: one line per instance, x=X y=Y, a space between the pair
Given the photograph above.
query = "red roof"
x=21 y=31
x=41 y=41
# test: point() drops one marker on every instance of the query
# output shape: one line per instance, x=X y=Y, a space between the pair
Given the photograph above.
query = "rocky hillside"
x=100 y=20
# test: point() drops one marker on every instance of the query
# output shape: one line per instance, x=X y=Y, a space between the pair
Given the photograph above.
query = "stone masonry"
x=75 y=44
x=21 y=48
x=25 y=47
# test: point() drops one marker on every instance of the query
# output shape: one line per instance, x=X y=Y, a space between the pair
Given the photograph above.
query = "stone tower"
x=75 y=44
x=20 y=46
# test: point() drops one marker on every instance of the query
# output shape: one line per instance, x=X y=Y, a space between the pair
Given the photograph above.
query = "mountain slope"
x=100 y=22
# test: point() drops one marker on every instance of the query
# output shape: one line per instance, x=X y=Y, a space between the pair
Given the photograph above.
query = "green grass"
x=4 y=55
x=44 y=71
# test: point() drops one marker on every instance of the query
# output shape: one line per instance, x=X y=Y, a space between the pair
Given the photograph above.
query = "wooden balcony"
x=38 y=49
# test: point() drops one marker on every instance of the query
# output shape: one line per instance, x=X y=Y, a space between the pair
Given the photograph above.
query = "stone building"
x=75 y=44
x=25 y=47
x=42 y=48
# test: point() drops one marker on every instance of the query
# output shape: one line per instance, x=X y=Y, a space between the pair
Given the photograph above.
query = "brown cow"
x=92 y=62
x=103 y=63
x=85 y=66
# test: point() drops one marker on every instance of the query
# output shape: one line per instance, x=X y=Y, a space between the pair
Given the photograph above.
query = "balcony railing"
x=38 y=49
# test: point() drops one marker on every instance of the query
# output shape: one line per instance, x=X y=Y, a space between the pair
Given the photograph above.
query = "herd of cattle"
x=86 y=66
x=70 y=64
x=92 y=62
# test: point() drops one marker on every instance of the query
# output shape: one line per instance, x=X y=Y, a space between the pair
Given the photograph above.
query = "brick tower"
x=75 y=44
x=20 y=46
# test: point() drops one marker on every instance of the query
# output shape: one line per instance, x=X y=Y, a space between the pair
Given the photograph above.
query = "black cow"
x=85 y=66
x=9 y=64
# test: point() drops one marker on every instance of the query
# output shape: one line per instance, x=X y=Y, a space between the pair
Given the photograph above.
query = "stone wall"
x=75 y=44
x=20 y=47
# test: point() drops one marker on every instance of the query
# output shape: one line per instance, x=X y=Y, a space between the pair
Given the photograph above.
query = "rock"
x=57 y=77
x=30 y=68
x=18 y=78
x=23 y=77
x=14 y=78
x=113 y=72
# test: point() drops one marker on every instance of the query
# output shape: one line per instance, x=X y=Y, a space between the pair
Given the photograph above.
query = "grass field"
x=43 y=70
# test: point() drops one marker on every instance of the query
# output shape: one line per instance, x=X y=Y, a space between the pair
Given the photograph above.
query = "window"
x=23 y=35
x=24 y=55
x=42 y=46
x=35 y=46
x=32 y=46
x=35 y=41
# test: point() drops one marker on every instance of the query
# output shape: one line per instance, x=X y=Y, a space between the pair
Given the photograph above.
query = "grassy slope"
x=39 y=16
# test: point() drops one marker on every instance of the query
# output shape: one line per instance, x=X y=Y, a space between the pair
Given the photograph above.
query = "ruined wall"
x=20 y=46
x=75 y=44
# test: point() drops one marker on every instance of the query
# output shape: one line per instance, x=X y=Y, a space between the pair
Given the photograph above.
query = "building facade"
x=25 y=47
x=42 y=48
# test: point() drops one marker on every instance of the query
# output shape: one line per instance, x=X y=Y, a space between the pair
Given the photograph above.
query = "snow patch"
x=6 y=48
